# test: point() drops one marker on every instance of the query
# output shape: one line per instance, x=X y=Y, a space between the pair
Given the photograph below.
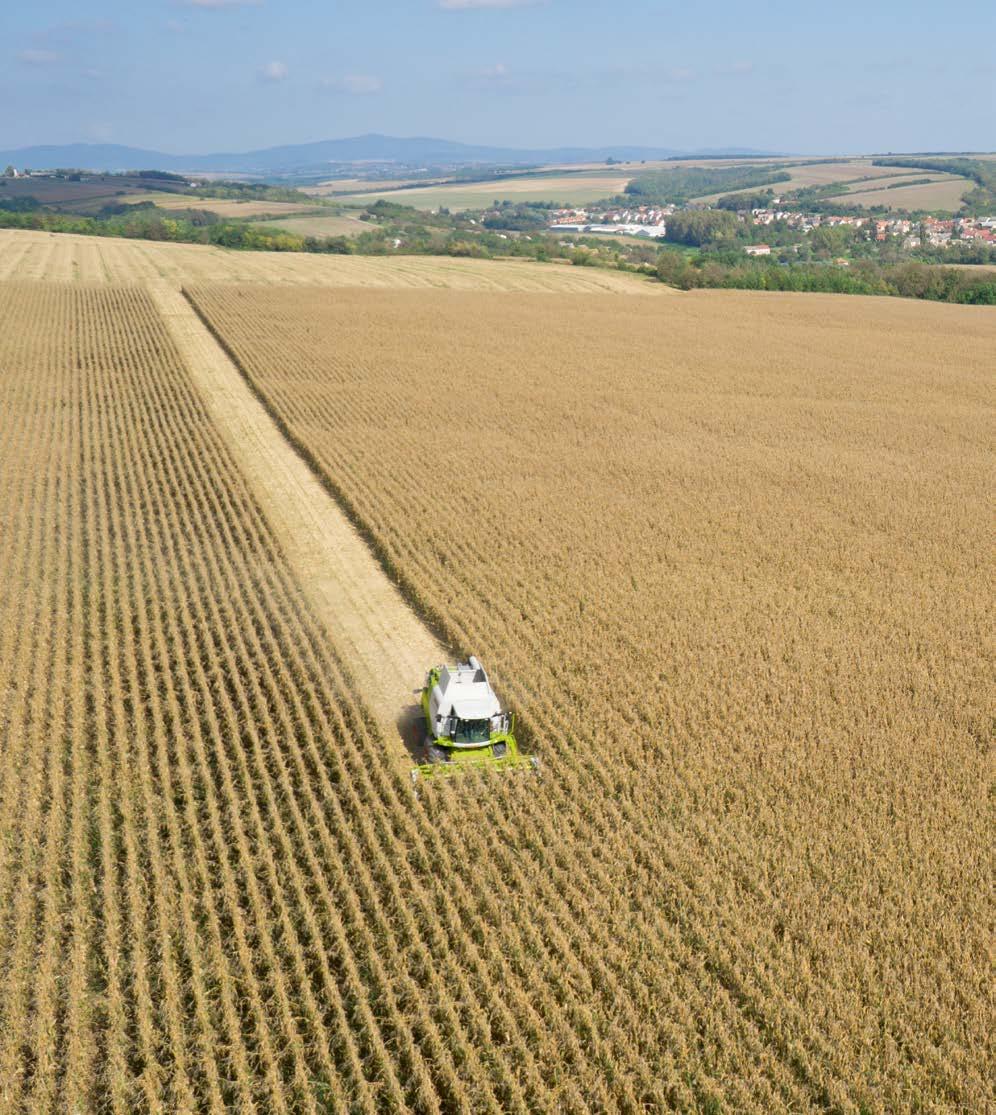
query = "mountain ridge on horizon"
x=302 y=157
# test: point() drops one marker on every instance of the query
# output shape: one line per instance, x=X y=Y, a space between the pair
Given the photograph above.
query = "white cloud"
x=273 y=71
x=38 y=57
x=467 y=5
x=356 y=85
x=497 y=72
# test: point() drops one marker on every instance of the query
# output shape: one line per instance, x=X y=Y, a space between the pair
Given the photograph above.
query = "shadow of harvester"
x=411 y=728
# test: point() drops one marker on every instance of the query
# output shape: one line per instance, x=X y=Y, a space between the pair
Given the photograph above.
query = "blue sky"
x=196 y=76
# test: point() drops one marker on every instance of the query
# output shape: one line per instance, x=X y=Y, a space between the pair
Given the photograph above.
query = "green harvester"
x=466 y=727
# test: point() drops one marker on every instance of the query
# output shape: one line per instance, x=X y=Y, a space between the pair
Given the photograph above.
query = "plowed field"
x=732 y=559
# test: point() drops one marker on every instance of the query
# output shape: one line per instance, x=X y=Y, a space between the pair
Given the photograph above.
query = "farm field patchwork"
x=944 y=194
x=97 y=190
x=223 y=206
x=728 y=555
x=566 y=188
x=622 y=172
x=902 y=180
x=357 y=185
x=821 y=174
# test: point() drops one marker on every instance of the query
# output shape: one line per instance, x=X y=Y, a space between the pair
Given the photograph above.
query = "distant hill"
x=303 y=158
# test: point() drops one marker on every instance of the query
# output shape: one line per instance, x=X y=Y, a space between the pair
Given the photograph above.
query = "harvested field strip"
x=723 y=643
x=386 y=645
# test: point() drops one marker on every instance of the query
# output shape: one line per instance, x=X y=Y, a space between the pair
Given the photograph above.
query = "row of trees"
x=703 y=227
x=682 y=183
x=254 y=191
x=154 y=224
x=906 y=280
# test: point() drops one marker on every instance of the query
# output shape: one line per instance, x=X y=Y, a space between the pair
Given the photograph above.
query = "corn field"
x=729 y=560
x=214 y=894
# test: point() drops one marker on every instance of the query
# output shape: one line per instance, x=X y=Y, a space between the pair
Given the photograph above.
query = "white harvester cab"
x=463 y=708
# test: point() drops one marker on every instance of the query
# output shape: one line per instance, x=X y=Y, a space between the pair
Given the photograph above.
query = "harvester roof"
x=465 y=692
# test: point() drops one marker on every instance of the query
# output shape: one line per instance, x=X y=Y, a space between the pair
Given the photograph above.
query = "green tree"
x=983 y=294
x=826 y=241
x=698 y=227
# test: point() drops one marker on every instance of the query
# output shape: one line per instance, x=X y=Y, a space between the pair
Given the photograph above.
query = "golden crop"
x=730 y=556
x=61 y=257
x=215 y=893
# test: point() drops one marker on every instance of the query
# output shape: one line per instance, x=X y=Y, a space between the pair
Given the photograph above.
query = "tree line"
x=680 y=184
x=903 y=280
x=716 y=261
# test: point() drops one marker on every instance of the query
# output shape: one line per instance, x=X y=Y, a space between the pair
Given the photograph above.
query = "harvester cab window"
x=472 y=731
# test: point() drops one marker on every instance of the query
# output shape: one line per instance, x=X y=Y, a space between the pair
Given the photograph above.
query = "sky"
x=200 y=76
